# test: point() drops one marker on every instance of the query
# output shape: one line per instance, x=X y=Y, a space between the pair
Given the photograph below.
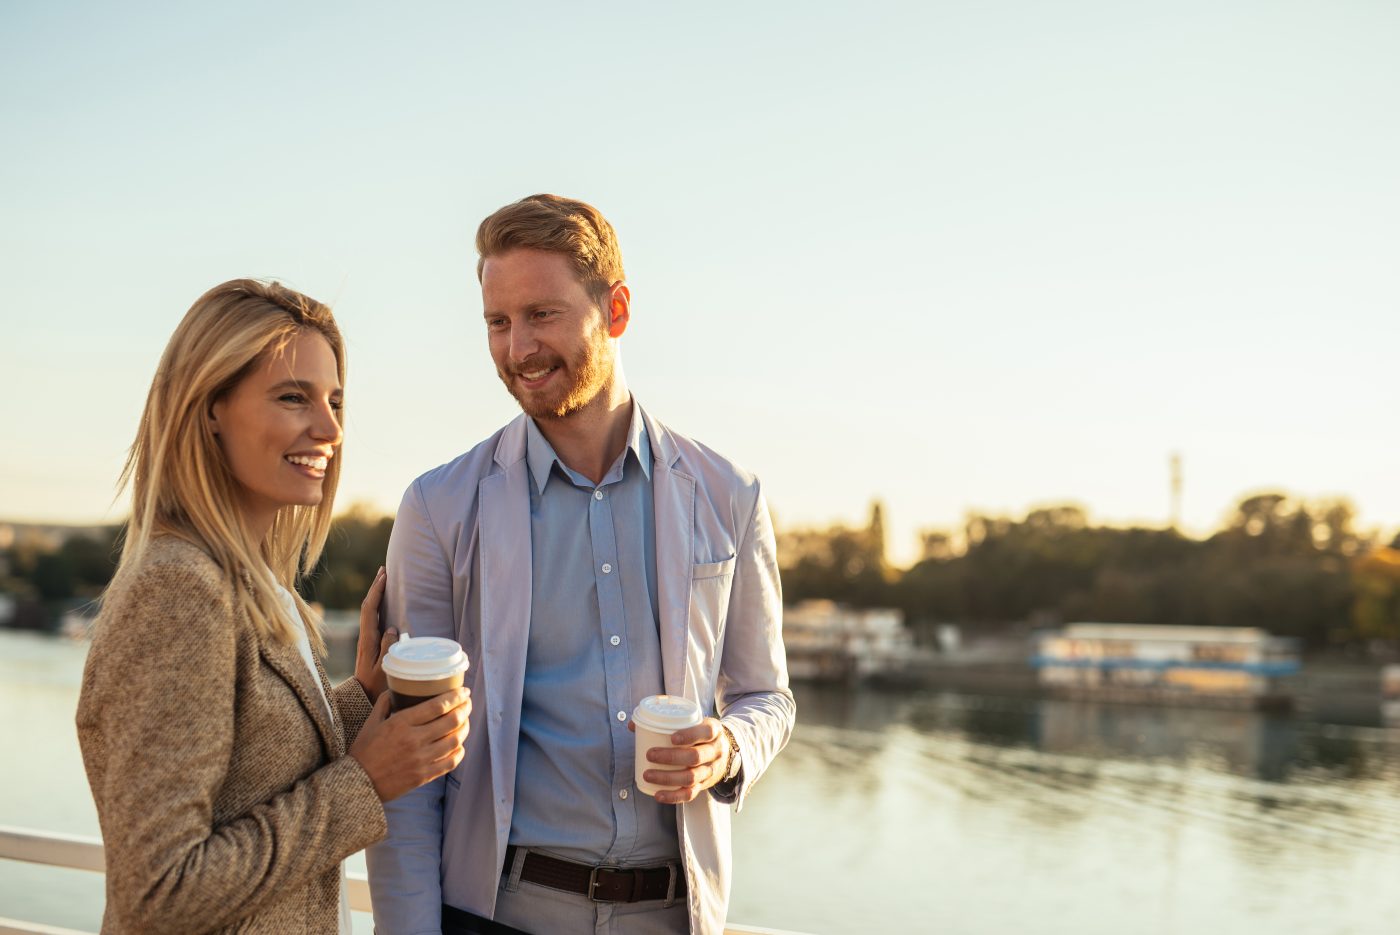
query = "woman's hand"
x=400 y=752
x=371 y=647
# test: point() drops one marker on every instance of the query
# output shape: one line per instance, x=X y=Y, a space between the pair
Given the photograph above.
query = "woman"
x=231 y=780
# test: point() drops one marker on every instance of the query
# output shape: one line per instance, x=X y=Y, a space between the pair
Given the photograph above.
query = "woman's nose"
x=327 y=425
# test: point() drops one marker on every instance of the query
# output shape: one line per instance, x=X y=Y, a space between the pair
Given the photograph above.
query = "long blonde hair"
x=181 y=483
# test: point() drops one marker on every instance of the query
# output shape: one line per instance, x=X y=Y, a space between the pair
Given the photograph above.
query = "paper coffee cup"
x=656 y=718
x=421 y=667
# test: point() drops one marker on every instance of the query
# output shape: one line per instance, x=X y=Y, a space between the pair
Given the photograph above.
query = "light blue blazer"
x=721 y=645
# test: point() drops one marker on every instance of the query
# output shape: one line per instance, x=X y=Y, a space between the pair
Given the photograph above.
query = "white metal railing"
x=77 y=852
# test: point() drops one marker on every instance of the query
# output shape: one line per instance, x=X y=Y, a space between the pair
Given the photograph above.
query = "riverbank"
x=1327 y=687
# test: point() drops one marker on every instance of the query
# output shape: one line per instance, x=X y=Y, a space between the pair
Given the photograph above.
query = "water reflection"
x=1071 y=816
x=1267 y=746
x=937 y=811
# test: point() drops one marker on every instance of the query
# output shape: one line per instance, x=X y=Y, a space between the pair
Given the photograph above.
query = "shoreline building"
x=827 y=641
x=1224 y=666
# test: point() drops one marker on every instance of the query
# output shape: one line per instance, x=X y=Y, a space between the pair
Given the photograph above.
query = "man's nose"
x=522 y=344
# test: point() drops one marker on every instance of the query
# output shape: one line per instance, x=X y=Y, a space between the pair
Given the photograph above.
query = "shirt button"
x=597 y=495
x=622 y=794
x=622 y=715
x=607 y=569
x=615 y=640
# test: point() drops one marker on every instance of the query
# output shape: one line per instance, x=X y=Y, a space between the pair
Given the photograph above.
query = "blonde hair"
x=560 y=225
x=180 y=480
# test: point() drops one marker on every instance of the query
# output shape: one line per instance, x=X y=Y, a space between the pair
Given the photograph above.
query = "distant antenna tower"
x=1176 y=491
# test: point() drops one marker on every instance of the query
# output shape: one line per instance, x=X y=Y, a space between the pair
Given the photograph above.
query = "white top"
x=304 y=647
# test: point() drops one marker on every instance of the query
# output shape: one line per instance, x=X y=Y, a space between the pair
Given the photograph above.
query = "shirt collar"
x=541 y=457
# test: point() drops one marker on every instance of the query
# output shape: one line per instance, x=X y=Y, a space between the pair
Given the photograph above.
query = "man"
x=586 y=556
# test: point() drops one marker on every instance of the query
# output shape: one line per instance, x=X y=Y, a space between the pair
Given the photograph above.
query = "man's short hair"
x=560 y=225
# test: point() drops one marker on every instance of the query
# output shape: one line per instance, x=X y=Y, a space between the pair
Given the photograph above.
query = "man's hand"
x=694 y=764
x=371 y=647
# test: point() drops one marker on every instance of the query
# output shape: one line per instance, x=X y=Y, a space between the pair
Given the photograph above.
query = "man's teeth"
x=538 y=374
x=317 y=463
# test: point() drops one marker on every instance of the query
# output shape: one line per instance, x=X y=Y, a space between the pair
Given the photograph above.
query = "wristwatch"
x=735 y=761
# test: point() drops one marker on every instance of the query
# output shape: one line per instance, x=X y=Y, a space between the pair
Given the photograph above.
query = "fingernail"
x=381 y=569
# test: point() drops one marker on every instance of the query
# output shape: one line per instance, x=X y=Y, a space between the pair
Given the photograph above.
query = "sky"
x=959 y=257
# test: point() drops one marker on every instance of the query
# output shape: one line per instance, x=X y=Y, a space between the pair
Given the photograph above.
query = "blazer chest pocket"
x=713 y=569
x=710 y=584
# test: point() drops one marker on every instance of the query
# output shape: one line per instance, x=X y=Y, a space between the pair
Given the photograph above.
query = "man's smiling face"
x=548 y=336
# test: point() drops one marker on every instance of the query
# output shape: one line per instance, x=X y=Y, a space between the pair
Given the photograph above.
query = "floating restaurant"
x=1224 y=666
x=831 y=642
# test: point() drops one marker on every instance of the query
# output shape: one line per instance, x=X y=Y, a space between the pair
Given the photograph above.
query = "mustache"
x=537 y=362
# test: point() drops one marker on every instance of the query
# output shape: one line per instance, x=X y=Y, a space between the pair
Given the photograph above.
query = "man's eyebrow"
x=533 y=306
x=303 y=385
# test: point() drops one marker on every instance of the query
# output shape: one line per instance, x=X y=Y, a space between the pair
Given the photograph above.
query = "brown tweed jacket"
x=224 y=793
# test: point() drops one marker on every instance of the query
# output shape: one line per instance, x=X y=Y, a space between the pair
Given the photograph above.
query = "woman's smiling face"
x=279 y=427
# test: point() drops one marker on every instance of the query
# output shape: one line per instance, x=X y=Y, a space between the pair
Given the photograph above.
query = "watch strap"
x=734 y=763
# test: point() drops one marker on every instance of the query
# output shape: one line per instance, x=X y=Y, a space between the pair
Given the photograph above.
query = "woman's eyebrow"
x=303 y=385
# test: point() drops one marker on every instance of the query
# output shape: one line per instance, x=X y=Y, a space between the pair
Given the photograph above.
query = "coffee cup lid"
x=665 y=713
x=424 y=657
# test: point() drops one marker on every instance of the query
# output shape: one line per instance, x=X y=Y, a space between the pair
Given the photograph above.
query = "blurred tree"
x=355 y=548
x=840 y=563
x=1333 y=529
x=52 y=577
x=92 y=560
x=936 y=545
x=1375 y=611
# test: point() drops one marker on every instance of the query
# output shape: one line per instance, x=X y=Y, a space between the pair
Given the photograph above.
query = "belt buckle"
x=593 y=884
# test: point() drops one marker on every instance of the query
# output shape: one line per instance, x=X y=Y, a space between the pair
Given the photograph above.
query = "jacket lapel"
x=287 y=661
x=336 y=726
x=504 y=500
x=673 y=501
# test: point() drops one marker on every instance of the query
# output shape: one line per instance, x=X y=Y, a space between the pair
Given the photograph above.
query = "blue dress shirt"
x=594 y=651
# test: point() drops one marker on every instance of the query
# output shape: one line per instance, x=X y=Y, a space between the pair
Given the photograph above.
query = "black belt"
x=601 y=884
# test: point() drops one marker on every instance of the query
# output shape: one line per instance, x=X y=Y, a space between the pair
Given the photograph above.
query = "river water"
x=937 y=812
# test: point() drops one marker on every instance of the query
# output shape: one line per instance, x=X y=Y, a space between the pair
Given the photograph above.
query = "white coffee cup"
x=656 y=718
x=419 y=668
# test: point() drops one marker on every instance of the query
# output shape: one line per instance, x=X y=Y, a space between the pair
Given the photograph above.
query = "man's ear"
x=619 y=309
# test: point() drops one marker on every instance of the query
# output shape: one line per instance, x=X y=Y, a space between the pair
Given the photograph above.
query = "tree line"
x=44 y=579
x=1291 y=566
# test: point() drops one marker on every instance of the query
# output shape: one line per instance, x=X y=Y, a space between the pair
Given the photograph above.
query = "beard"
x=581 y=378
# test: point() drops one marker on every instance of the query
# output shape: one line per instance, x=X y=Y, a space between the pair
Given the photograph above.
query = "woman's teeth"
x=318 y=464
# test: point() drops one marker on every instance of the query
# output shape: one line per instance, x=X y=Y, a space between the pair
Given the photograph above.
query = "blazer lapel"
x=673 y=501
x=504 y=500
x=287 y=661
x=336 y=726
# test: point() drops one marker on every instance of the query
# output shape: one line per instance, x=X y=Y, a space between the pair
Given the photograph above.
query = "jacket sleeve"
x=157 y=712
x=352 y=707
x=405 y=868
x=753 y=698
